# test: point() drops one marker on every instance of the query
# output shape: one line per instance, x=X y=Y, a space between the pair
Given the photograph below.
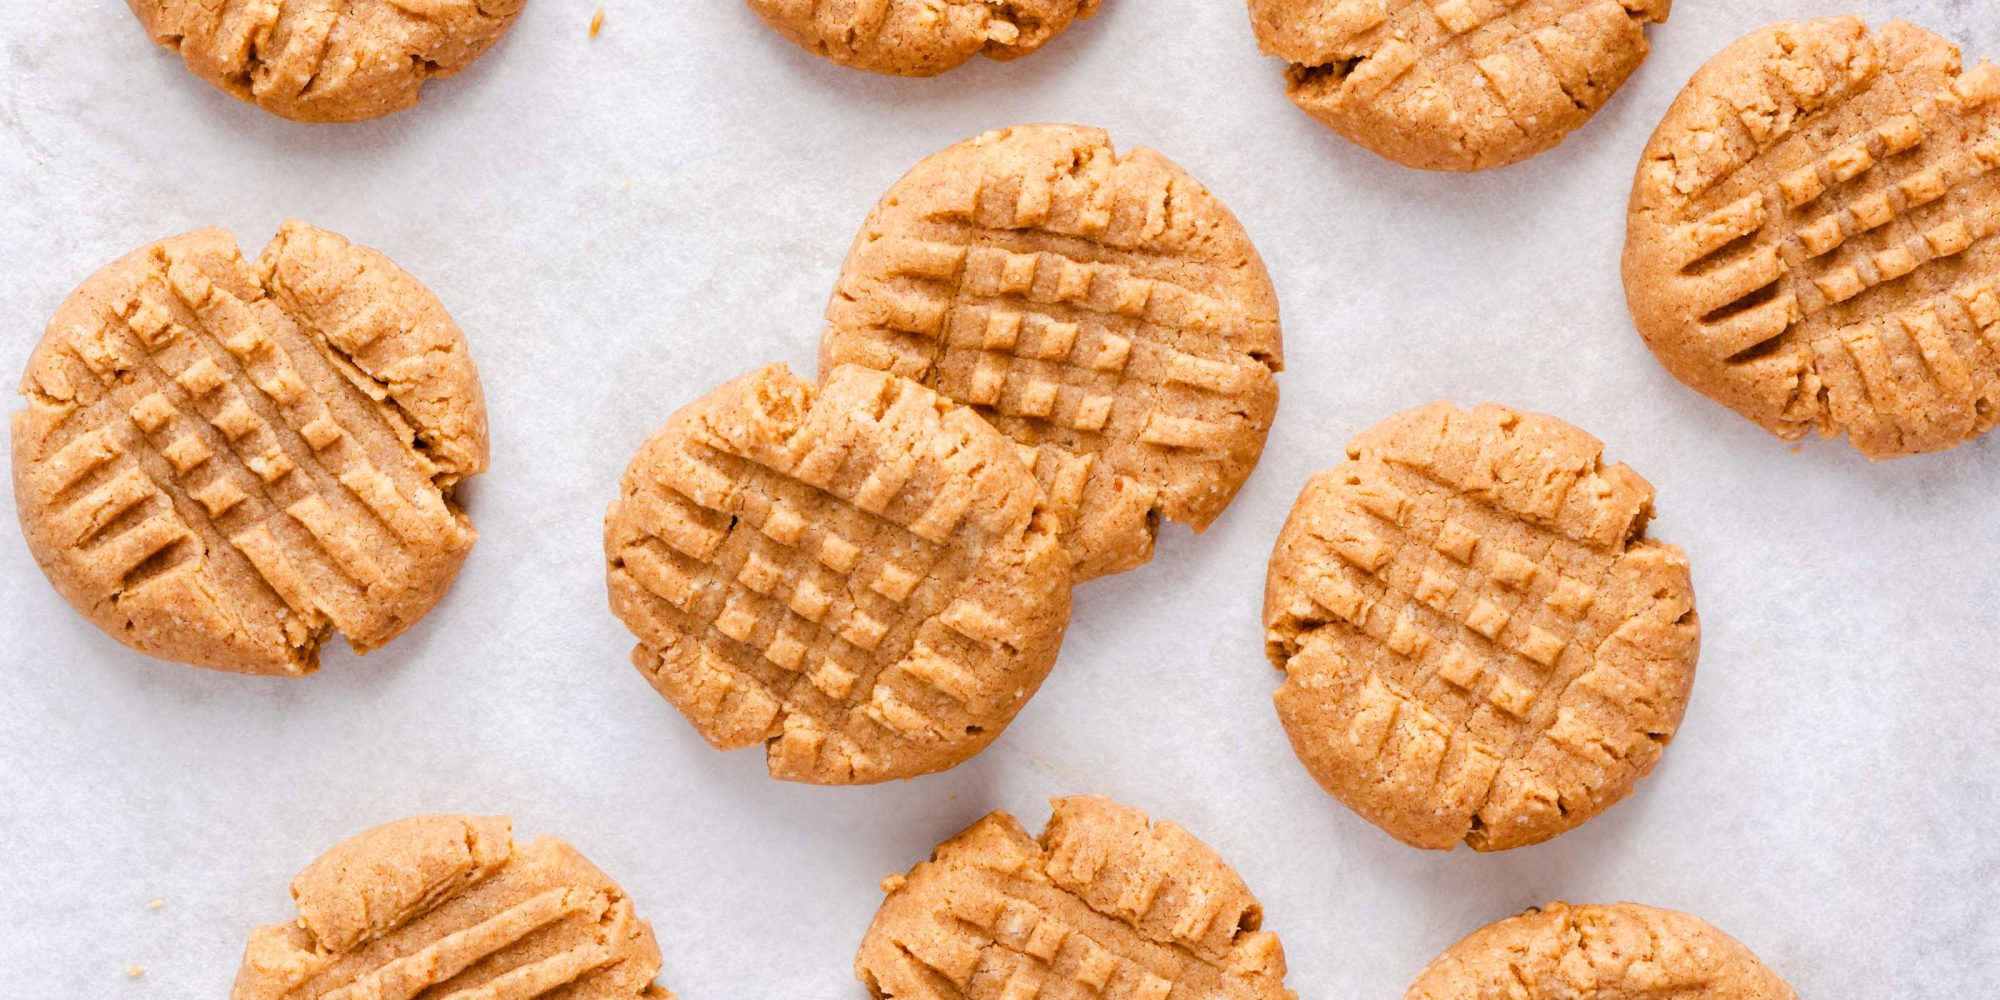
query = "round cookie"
x=920 y=37
x=1479 y=641
x=450 y=905
x=1106 y=903
x=224 y=462
x=860 y=577
x=326 y=60
x=1620 y=952
x=1105 y=311
x=1455 y=84
x=1811 y=236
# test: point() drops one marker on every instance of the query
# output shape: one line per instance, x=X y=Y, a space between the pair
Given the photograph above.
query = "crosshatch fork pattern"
x=224 y=463
x=1105 y=311
x=919 y=37
x=324 y=61
x=1812 y=236
x=1455 y=84
x=1479 y=642
x=1624 y=951
x=1106 y=905
x=863 y=578
x=450 y=908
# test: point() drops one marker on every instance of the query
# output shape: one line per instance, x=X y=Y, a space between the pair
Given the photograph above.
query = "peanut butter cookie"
x=326 y=60
x=1811 y=238
x=1455 y=84
x=860 y=577
x=1104 y=311
x=224 y=462
x=1106 y=904
x=1479 y=641
x=919 y=37
x=1619 y=952
x=450 y=906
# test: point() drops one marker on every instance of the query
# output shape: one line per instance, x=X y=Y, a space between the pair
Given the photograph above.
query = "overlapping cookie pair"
x=1037 y=350
x=1105 y=903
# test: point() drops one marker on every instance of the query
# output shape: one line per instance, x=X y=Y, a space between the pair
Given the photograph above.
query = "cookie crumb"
x=156 y=904
x=597 y=22
x=134 y=971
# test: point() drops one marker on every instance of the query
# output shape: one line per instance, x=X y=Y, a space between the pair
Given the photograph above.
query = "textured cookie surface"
x=1619 y=952
x=1105 y=904
x=1455 y=84
x=1811 y=240
x=1479 y=641
x=223 y=462
x=1106 y=311
x=861 y=577
x=326 y=60
x=450 y=908
x=919 y=37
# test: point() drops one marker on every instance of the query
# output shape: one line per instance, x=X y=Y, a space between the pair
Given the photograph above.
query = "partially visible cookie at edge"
x=1105 y=903
x=860 y=577
x=320 y=61
x=1624 y=951
x=1811 y=240
x=1103 y=310
x=451 y=905
x=1455 y=84
x=1479 y=641
x=919 y=37
x=224 y=462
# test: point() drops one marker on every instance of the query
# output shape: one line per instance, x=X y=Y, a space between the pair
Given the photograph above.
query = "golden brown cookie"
x=1811 y=239
x=1620 y=952
x=1106 y=904
x=451 y=907
x=919 y=37
x=326 y=60
x=860 y=577
x=1455 y=84
x=1105 y=311
x=1479 y=641
x=224 y=462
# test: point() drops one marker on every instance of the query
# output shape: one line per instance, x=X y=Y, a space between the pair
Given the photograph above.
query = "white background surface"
x=621 y=223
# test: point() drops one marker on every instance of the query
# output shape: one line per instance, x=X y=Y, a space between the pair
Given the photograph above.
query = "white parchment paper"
x=621 y=223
